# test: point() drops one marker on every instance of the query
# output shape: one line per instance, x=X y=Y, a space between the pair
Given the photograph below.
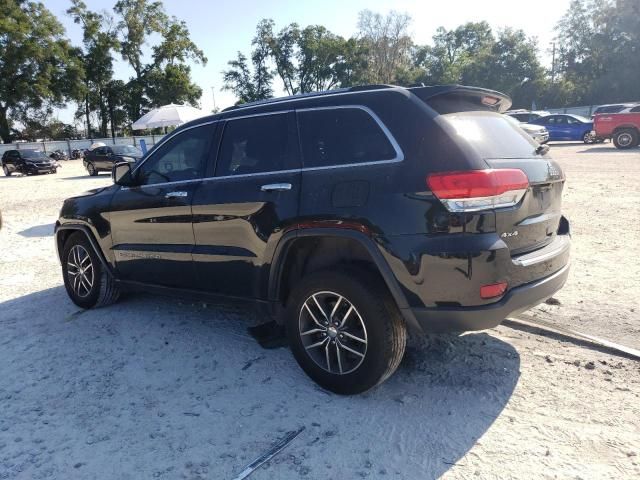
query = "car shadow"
x=38 y=231
x=155 y=386
x=606 y=149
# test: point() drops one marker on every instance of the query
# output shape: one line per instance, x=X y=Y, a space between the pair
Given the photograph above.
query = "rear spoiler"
x=460 y=98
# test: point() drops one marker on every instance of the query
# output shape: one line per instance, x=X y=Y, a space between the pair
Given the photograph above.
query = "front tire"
x=85 y=279
x=6 y=171
x=344 y=330
x=92 y=169
x=626 y=138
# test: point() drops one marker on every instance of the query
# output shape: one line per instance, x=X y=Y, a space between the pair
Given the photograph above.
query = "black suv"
x=102 y=159
x=351 y=216
x=27 y=162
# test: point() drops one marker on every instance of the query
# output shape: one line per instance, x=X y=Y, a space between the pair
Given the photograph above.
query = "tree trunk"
x=104 y=120
x=112 y=119
x=87 y=113
x=5 y=131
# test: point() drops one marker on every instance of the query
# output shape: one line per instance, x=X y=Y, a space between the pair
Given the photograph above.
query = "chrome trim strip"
x=531 y=260
x=168 y=137
x=399 y=153
x=263 y=114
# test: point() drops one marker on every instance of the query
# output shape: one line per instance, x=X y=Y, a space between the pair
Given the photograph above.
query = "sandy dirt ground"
x=158 y=388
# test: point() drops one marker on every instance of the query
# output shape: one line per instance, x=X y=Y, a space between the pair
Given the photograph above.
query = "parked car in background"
x=565 y=126
x=525 y=116
x=633 y=109
x=622 y=128
x=537 y=132
x=59 y=155
x=27 y=162
x=351 y=216
x=102 y=159
x=611 y=108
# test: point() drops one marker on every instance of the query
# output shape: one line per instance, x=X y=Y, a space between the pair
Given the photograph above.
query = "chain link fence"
x=70 y=145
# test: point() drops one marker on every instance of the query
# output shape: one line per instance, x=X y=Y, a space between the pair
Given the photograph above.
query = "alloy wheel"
x=332 y=332
x=624 y=139
x=80 y=271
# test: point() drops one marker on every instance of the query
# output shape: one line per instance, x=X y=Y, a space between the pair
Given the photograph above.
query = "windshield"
x=492 y=135
x=582 y=119
x=126 y=150
x=33 y=155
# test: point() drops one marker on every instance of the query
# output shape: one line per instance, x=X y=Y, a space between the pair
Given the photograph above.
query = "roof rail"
x=268 y=101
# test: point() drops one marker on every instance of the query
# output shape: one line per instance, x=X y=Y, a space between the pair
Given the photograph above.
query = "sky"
x=222 y=28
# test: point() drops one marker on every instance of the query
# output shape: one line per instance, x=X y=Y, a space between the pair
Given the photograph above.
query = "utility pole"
x=553 y=63
x=213 y=94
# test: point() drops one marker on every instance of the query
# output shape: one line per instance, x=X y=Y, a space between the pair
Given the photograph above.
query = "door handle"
x=276 y=187
x=176 y=195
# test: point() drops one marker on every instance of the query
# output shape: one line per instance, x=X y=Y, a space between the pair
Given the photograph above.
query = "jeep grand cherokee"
x=350 y=216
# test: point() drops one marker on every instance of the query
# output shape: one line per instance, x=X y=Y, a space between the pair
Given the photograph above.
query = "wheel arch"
x=626 y=126
x=64 y=231
x=286 y=249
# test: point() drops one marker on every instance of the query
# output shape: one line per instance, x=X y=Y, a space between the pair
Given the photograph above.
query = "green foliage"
x=252 y=83
x=599 y=51
x=99 y=42
x=37 y=65
x=388 y=45
x=165 y=76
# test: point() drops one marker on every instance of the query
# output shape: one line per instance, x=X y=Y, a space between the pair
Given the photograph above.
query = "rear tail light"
x=479 y=189
x=493 y=290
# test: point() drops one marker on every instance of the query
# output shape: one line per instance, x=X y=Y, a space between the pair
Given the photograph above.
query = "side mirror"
x=121 y=174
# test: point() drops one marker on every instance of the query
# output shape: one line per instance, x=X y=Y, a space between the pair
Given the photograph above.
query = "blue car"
x=567 y=127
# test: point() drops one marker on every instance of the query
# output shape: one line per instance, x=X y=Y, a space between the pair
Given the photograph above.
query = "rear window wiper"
x=542 y=150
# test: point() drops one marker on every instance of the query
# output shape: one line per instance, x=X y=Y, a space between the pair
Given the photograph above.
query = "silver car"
x=539 y=133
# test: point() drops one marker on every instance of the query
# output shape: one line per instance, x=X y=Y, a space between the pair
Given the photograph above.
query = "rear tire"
x=87 y=282
x=6 y=171
x=625 y=138
x=92 y=169
x=366 y=345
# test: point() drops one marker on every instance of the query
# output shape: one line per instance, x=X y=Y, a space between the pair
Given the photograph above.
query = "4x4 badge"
x=509 y=234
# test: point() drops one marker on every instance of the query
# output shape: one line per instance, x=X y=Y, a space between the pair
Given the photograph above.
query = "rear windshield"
x=126 y=150
x=492 y=135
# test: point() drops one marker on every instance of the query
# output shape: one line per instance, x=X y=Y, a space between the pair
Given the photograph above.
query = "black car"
x=350 y=217
x=27 y=162
x=102 y=159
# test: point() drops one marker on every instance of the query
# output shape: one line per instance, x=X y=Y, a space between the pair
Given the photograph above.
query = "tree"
x=305 y=60
x=139 y=20
x=472 y=55
x=388 y=42
x=37 y=66
x=599 y=54
x=246 y=84
x=99 y=39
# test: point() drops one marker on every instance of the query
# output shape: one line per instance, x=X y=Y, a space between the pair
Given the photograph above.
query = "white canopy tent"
x=168 y=116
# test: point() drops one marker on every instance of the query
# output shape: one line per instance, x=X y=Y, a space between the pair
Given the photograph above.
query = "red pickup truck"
x=622 y=128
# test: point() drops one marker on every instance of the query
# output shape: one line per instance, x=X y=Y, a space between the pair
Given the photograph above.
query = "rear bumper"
x=459 y=319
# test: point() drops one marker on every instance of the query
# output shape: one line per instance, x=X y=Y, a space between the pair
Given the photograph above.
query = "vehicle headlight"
x=128 y=159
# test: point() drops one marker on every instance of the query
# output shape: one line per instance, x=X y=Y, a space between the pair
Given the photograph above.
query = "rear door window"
x=259 y=144
x=491 y=135
x=342 y=136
